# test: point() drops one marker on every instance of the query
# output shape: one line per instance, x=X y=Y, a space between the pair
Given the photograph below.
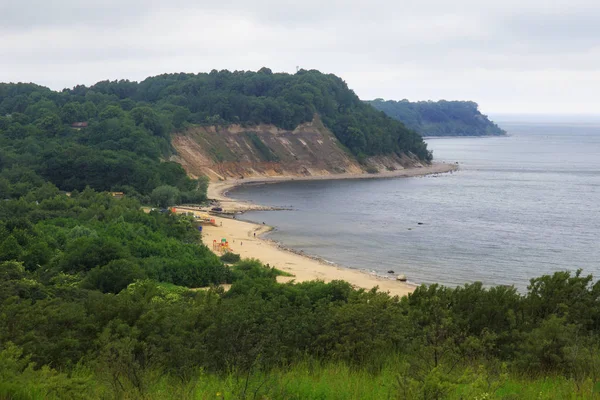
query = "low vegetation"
x=94 y=303
x=101 y=243
x=230 y=257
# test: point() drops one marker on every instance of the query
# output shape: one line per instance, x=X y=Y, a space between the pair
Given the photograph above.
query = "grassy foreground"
x=337 y=381
x=303 y=381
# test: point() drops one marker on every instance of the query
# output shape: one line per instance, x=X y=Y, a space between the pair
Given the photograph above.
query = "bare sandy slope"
x=240 y=235
x=218 y=190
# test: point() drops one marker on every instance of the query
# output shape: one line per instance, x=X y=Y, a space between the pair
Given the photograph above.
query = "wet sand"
x=241 y=238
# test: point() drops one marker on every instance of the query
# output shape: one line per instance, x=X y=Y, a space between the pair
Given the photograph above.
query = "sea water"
x=521 y=206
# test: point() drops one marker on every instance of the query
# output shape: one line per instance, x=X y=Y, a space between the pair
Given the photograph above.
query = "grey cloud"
x=490 y=52
x=16 y=15
x=567 y=31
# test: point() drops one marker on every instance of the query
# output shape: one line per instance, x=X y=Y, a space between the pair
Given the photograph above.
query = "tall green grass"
x=306 y=380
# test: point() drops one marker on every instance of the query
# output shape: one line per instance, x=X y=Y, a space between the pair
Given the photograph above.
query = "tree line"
x=440 y=118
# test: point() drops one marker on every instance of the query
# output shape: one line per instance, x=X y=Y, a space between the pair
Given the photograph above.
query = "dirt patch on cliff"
x=236 y=152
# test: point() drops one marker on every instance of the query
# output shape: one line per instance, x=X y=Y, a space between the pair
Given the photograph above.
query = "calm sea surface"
x=521 y=206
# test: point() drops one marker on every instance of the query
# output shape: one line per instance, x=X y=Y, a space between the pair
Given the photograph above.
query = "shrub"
x=230 y=257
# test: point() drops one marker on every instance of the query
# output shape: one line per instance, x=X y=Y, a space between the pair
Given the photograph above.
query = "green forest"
x=98 y=300
x=101 y=298
x=124 y=143
x=123 y=148
x=440 y=118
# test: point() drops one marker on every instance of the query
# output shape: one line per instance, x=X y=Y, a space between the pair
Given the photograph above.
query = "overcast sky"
x=525 y=56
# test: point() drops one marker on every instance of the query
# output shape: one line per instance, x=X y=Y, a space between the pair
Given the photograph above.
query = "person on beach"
x=241 y=243
x=254 y=234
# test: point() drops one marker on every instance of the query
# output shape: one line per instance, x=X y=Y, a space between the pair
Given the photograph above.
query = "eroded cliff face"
x=234 y=151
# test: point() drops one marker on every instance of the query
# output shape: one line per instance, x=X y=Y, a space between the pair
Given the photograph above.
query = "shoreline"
x=466 y=136
x=217 y=191
x=303 y=267
x=246 y=238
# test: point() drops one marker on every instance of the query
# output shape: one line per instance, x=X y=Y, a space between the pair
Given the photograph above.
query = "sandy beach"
x=240 y=235
x=245 y=237
x=218 y=190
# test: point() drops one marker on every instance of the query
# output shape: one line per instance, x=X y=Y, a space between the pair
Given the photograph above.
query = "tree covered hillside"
x=129 y=126
x=121 y=147
x=275 y=98
x=440 y=118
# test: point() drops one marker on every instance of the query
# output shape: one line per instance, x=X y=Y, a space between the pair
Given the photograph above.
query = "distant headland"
x=440 y=118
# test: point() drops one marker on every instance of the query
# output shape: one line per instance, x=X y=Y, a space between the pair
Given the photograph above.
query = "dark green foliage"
x=102 y=242
x=439 y=118
x=10 y=249
x=435 y=342
x=196 y=193
x=121 y=149
x=114 y=276
x=576 y=298
x=84 y=253
x=230 y=257
x=165 y=196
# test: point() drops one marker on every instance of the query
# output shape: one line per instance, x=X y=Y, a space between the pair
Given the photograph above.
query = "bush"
x=253 y=269
x=230 y=257
x=114 y=276
x=165 y=196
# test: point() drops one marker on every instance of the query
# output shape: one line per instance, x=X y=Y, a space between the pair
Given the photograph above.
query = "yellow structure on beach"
x=222 y=246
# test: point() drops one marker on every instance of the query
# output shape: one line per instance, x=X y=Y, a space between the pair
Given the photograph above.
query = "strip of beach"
x=218 y=190
x=245 y=237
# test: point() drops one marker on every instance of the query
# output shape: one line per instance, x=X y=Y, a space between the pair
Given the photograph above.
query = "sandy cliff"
x=237 y=152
